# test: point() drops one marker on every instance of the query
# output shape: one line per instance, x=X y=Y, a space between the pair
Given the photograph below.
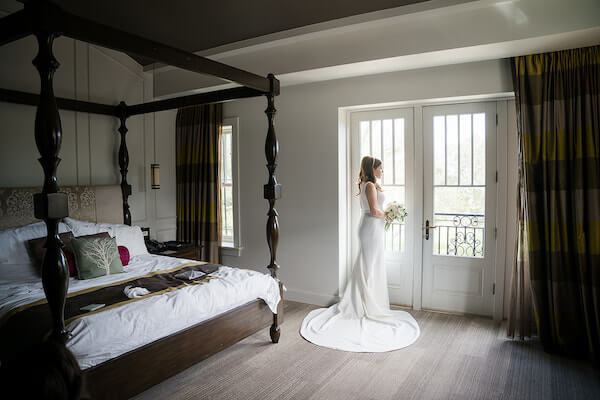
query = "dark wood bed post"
x=50 y=205
x=272 y=192
x=124 y=163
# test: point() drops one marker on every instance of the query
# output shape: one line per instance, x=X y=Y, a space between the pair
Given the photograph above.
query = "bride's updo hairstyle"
x=367 y=165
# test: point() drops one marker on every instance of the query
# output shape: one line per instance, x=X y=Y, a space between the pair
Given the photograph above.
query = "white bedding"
x=108 y=334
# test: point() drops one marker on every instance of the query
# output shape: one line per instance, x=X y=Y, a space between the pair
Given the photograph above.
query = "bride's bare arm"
x=371 y=193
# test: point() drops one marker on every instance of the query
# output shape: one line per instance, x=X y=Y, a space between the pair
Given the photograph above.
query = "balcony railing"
x=459 y=235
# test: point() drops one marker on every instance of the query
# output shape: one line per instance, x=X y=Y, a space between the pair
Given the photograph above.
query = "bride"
x=362 y=321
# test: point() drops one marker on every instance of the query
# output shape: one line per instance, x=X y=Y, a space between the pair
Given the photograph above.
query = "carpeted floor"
x=455 y=358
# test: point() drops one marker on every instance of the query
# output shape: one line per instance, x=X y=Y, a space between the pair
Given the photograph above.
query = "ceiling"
x=318 y=40
x=195 y=25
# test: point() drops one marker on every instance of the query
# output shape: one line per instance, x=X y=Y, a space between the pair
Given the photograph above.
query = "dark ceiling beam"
x=30 y=99
x=194 y=99
x=14 y=26
x=105 y=36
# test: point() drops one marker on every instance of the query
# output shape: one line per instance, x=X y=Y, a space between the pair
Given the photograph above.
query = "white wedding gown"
x=362 y=321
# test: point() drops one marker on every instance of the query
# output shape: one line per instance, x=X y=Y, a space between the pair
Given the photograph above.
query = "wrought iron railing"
x=459 y=235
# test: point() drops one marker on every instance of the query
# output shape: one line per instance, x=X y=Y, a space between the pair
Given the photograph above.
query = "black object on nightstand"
x=178 y=250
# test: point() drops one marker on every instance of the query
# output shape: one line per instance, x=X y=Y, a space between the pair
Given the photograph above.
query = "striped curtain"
x=198 y=130
x=558 y=111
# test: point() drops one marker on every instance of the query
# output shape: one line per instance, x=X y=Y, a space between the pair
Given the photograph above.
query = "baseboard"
x=310 y=297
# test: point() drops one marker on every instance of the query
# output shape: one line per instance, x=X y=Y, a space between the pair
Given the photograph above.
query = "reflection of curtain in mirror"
x=558 y=112
x=198 y=130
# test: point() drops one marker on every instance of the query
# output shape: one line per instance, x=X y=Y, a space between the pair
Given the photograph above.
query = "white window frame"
x=234 y=249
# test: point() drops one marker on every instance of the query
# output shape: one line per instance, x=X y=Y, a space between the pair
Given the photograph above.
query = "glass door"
x=388 y=136
x=459 y=159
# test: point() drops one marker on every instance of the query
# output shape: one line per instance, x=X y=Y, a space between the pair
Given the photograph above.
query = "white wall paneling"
x=90 y=142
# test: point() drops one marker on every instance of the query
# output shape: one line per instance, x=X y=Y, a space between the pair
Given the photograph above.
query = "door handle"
x=427 y=228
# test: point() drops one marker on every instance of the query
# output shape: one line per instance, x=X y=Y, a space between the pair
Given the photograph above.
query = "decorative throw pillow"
x=71 y=263
x=96 y=257
x=124 y=254
x=37 y=251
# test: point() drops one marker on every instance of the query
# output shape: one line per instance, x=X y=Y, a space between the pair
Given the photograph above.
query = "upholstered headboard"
x=86 y=203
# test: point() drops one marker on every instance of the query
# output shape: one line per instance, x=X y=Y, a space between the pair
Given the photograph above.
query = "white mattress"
x=108 y=334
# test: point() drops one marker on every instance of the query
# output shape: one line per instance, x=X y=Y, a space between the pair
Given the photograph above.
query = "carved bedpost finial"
x=124 y=162
x=50 y=205
x=272 y=192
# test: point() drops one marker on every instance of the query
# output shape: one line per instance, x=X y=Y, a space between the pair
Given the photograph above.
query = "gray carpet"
x=456 y=357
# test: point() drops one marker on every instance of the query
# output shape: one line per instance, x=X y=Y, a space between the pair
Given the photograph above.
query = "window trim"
x=228 y=248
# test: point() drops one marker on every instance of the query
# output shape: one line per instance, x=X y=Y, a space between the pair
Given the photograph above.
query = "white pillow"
x=13 y=246
x=128 y=236
x=82 y=228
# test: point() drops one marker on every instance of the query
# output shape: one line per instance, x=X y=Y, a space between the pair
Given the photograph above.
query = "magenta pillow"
x=124 y=254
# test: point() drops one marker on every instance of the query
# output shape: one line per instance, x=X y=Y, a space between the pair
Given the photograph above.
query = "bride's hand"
x=387 y=219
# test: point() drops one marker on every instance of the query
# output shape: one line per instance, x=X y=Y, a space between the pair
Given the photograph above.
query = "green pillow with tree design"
x=96 y=257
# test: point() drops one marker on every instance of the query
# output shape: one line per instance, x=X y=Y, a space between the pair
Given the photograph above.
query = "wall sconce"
x=155 y=176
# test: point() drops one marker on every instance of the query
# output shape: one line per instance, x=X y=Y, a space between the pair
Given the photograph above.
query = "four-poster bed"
x=123 y=376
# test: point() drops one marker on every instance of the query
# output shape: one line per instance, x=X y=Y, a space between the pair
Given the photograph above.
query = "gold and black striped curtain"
x=558 y=112
x=198 y=130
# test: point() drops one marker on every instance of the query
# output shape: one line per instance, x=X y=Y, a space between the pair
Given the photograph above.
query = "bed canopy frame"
x=46 y=21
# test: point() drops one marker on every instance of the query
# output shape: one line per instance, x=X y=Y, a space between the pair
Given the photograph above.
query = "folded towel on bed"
x=134 y=292
x=190 y=275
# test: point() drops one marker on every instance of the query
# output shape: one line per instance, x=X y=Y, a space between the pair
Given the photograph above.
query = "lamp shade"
x=155 y=176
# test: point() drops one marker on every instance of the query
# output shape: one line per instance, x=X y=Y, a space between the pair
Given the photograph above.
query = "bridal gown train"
x=362 y=321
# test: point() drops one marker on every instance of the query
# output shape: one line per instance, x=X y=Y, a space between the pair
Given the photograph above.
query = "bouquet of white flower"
x=394 y=212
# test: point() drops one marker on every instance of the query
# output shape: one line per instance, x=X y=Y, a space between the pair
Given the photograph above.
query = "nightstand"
x=191 y=252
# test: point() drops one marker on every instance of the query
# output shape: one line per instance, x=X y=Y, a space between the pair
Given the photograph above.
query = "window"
x=230 y=232
x=226 y=186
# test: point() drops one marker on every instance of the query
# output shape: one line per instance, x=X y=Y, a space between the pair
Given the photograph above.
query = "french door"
x=447 y=182
x=388 y=136
x=459 y=204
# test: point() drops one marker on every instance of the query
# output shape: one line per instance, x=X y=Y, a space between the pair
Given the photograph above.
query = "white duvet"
x=108 y=334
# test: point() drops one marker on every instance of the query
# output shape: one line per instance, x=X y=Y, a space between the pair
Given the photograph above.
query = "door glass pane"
x=452 y=149
x=459 y=193
x=399 y=151
x=365 y=139
x=376 y=139
x=465 y=143
x=479 y=147
x=388 y=152
x=439 y=150
x=384 y=139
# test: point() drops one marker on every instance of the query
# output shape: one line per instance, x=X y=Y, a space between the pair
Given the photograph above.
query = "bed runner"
x=33 y=320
